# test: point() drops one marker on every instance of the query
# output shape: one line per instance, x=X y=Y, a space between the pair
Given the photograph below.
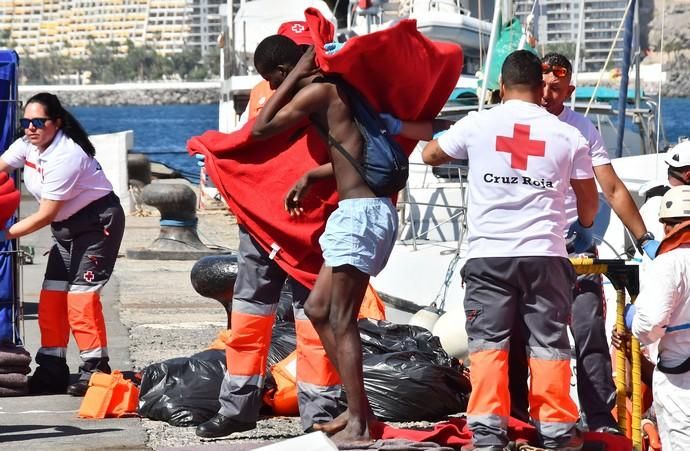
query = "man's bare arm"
x=304 y=103
x=587 y=200
x=288 y=104
x=620 y=199
x=433 y=155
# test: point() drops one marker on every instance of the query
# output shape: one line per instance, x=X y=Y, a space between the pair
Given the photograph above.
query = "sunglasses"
x=38 y=122
x=558 y=71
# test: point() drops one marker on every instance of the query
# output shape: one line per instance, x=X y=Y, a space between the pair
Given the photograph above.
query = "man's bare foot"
x=356 y=432
x=333 y=426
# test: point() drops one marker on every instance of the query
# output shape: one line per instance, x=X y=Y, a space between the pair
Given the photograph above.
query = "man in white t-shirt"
x=522 y=161
x=595 y=386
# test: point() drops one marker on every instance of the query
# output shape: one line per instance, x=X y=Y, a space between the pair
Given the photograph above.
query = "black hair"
x=70 y=125
x=558 y=59
x=521 y=69
x=274 y=51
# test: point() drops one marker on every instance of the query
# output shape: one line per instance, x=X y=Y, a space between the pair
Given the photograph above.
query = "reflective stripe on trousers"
x=257 y=293
x=81 y=311
x=246 y=355
x=537 y=290
x=80 y=263
x=319 y=391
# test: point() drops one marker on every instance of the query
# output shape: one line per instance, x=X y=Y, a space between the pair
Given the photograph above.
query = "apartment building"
x=39 y=27
x=559 y=22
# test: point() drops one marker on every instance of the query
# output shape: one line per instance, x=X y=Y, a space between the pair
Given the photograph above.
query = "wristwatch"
x=641 y=241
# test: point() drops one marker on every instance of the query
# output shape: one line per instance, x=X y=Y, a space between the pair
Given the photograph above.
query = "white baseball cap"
x=679 y=155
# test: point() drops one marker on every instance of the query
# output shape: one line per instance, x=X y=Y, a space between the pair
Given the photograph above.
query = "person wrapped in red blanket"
x=245 y=165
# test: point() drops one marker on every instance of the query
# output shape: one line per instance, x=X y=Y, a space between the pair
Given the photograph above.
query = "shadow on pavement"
x=29 y=432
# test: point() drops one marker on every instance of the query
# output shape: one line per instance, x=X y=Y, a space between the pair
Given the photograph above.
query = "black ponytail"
x=70 y=125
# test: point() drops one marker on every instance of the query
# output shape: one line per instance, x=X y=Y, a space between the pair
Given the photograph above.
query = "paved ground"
x=152 y=314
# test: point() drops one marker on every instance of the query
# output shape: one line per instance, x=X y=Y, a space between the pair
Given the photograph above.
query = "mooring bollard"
x=214 y=277
x=178 y=239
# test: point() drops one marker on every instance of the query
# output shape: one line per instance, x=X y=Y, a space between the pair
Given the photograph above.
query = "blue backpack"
x=384 y=167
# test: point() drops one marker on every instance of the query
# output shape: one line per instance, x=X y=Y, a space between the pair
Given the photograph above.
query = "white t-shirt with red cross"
x=521 y=160
x=597 y=148
x=61 y=172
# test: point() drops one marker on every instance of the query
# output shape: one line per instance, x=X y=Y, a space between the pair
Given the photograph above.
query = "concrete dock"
x=152 y=314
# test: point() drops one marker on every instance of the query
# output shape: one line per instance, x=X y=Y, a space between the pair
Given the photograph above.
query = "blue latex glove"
x=439 y=133
x=202 y=160
x=651 y=247
x=584 y=240
x=629 y=314
x=393 y=124
x=333 y=47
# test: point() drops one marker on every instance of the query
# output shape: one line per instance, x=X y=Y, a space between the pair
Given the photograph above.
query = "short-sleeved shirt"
x=521 y=160
x=597 y=148
x=61 y=172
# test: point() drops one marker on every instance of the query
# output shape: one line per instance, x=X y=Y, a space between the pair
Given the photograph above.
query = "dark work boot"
x=87 y=368
x=220 y=426
x=50 y=377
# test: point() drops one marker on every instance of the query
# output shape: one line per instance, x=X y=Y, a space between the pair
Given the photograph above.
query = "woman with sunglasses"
x=87 y=222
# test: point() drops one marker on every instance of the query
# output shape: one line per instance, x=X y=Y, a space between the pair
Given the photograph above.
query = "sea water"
x=162 y=131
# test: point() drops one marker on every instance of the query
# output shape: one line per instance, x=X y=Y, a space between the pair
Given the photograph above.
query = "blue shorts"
x=360 y=233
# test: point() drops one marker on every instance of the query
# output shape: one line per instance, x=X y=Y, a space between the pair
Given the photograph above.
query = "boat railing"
x=426 y=192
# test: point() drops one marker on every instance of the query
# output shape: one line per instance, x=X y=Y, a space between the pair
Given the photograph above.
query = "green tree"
x=185 y=62
x=566 y=49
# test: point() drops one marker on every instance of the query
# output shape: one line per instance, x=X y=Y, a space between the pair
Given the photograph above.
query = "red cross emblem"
x=88 y=276
x=520 y=146
x=298 y=28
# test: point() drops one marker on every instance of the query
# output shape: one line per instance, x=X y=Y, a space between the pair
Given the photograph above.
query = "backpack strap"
x=327 y=136
x=331 y=141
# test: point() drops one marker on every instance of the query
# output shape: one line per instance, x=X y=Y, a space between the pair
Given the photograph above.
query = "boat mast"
x=623 y=89
x=495 y=27
x=576 y=63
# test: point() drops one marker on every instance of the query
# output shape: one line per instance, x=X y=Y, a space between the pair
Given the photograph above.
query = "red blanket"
x=398 y=70
x=455 y=433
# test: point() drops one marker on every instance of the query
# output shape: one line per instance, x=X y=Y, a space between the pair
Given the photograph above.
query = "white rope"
x=608 y=58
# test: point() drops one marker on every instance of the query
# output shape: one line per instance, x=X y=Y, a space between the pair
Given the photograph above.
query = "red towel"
x=404 y=74
x=9 y=198
x=398 y=69
x=455 y=432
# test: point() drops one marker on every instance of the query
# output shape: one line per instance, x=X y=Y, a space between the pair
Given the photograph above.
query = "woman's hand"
x=295 y=195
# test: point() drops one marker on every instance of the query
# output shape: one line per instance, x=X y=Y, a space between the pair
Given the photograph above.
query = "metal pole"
x=580 y=37
x=636 y=34
x=623 y=89
x=489 y=55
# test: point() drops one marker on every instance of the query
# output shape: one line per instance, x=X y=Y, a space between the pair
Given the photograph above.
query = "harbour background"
x=161 y=131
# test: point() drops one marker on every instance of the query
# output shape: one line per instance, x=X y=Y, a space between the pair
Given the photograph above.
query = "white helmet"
x=679 y=155
x=675 y=203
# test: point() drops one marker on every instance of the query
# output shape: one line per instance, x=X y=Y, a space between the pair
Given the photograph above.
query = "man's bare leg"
x=348 y=288
x=318 y=309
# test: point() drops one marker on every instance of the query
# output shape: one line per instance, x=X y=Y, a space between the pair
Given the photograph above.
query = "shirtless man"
x=351 y=254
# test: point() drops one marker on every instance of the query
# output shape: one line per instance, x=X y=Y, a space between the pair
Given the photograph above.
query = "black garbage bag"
x=411 y=386
x=382 y=337
x=182 y=391
x=283 y=342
